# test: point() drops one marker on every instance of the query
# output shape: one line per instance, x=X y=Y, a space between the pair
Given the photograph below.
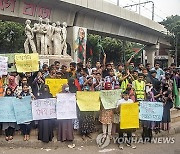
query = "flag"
x=91 y=52
x=176 y=93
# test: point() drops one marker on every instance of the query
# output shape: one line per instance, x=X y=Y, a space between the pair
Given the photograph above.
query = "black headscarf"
x=45 y=93
x=72 y=87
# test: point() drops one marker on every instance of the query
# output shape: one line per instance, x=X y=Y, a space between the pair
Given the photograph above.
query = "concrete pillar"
x=170 y=59
x=150 y=52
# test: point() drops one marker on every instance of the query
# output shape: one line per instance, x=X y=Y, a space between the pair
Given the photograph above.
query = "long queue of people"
x=137 y=84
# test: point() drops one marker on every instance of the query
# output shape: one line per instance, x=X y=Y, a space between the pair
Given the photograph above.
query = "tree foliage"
x=113 y=48
x=172 y=23
x=11 y=37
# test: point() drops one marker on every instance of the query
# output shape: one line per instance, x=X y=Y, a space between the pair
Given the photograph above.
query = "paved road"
x=112 y=149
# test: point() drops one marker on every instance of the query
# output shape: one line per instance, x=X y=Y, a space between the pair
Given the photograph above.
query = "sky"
x=163 y=8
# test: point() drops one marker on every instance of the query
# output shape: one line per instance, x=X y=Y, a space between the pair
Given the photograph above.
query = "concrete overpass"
x=97 y=16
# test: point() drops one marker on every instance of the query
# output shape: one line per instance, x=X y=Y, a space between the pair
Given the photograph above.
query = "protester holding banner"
x=86 y=119
x=25 y=127
x=9 y=127
x=107 y=115
x=45 y=126
x=65 y=126
x=125 y=100
x=148 y=126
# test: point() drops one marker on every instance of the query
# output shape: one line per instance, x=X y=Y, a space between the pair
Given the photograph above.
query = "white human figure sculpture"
x=57 y=39
x=29 y=40
x=52 y=31
x=39 y=31
x=48 y=37
x=64 y=36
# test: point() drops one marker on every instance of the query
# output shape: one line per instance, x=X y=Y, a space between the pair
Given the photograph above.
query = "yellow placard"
x=27 y=62
x=129 y=116
x=88 y=101
x=55 y=85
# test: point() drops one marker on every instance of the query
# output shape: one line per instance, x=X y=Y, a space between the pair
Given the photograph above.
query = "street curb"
x=34 y=143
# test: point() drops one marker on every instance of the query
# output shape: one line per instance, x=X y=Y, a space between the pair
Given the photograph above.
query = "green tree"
x=113 y=48
x=12 y=37
x=172 y=23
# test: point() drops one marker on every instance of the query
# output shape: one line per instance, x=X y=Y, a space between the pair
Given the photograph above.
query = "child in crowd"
x=9 y=127
x=107 y=115
x=124 y=100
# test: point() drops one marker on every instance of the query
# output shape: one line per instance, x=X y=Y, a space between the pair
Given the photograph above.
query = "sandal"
x=6 y=138
x=25 y=138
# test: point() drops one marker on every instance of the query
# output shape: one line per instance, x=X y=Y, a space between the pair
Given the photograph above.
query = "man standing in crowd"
x=139 y=87
x=159 y=71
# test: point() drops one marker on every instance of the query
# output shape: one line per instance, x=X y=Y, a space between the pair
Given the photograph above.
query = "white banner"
x=44 y=109
x=66 y=106
x=3 y=65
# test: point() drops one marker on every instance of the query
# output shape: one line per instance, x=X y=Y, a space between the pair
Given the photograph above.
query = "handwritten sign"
x=88 y=101
x=27 y=62
x=44 y=109
x=3 y=65
x=55 y=85
x=23 y=109
x=109 y=98
x=66 y=106
x=151 y=111
x=129 y=116
x=7 y=110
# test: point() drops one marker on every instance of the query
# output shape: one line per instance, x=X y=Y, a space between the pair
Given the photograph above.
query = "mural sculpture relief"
x=46 y=39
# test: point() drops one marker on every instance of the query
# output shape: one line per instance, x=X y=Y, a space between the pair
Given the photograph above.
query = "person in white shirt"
x=125 y=100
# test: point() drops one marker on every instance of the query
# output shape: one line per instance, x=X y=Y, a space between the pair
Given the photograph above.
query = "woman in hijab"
x=45 y=127
x=11 y=83
x=65 y=126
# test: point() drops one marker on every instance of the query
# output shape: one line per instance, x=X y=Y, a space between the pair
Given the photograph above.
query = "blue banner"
x=151 y=111
x=23 y=110
x=7 y=110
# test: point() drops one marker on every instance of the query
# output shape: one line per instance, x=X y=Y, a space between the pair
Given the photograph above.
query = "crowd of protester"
x=137 y=83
